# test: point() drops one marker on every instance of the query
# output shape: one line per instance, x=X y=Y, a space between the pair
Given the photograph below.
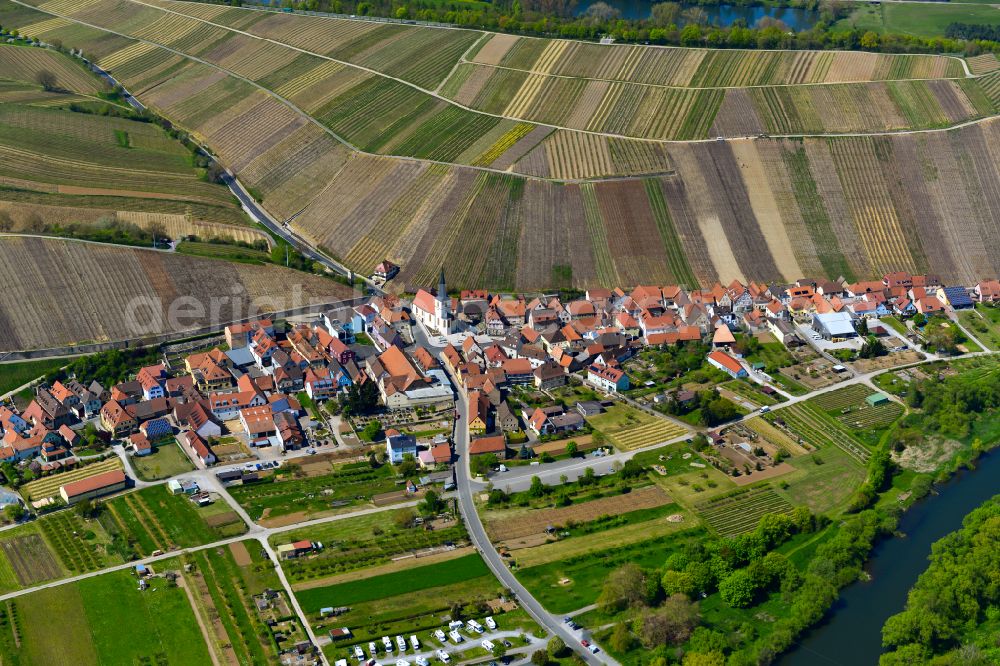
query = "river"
x=722 y=15
x=852 y=634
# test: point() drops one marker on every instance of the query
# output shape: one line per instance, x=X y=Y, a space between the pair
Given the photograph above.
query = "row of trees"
x=668 y=23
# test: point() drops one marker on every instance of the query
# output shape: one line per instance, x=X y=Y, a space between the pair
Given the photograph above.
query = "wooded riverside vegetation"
x=953 y=612
x=668 y=23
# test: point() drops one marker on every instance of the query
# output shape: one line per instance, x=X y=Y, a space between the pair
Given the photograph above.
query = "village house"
x=607 y=378
x=117 y=420
x=258 y=422
x=199 y=448
x=399 y=445
x=549 y=376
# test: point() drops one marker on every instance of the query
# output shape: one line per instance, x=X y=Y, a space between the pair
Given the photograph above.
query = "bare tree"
x=6 y=223
x=46 y=79
x=158 y=230
x=602 y=11
x=695 y=15
x=666 y=13
x=34 y=223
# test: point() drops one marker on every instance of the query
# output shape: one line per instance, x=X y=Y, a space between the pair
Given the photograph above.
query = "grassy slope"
x=918 y=19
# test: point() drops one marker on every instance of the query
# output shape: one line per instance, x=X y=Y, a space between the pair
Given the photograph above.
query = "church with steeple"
x=433 y=311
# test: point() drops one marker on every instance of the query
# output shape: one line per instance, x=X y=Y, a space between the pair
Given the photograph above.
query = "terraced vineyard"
x=766 y=209
x=739 y=512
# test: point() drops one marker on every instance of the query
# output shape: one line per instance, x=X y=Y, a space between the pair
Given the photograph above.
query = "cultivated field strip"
x=704 y=68
x=536 y=522
x=24 y=63
x=417 y=55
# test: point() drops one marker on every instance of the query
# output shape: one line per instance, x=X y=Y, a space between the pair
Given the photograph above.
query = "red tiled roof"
x=95 y=482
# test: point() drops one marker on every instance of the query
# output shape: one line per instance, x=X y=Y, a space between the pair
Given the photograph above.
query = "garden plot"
x=30 y=559
x=292 y=499
x=152 y=519
x=815 y=427
x=628 y=428
x=74 y=542
x=739 y=512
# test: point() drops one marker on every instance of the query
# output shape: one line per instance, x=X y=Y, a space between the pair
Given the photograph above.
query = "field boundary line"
x=535 y=72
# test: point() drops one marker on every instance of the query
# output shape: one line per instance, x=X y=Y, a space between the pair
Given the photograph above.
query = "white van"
x=421 y=661
x=455 y=636
x=438 y=634
x=491 y=623
x=443 y=656
x=414 y=643
x=401 y=642
x=358 y=652
x=487 y=645
x=372 y=649
x=387 y=643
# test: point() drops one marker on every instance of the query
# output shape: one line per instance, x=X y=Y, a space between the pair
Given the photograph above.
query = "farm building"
x=876 y=399
x=496 y=445
x=723 y=337
x=834 y=325
x=93 y=486
x=182 y=487
x=340 y=633
x=727 y=364
x=295 y=549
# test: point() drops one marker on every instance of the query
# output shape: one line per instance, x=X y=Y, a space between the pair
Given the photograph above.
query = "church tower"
x=443 y=305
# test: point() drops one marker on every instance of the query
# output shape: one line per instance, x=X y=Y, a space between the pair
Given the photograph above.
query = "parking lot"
x=442 y=646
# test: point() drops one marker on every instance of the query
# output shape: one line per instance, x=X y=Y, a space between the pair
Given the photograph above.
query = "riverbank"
x=852 y=633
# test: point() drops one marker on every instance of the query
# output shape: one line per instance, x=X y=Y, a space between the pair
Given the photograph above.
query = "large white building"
x=434 y=312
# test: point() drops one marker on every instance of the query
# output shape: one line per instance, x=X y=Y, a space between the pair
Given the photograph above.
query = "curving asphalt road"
x=477 y=533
